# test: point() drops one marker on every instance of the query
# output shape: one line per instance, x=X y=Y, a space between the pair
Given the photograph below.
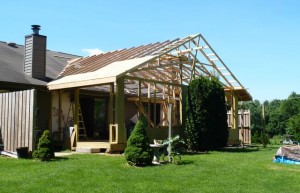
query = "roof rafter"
x=175 y=62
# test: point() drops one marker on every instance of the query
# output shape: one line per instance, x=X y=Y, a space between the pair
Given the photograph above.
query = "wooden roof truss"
x=178 y=64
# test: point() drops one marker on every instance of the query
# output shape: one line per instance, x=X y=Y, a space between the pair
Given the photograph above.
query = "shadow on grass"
x=231 y=150
x=240 y=149
x=56 y=159
x=190 y=153
x=249 y=149
x=185 y=162
x=182 y=162
x=59 y=159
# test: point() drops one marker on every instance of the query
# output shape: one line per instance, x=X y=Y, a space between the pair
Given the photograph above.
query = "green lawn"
x=251 y=170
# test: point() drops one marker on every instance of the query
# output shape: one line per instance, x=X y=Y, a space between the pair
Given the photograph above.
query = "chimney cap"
x=12 y=44
x=35 y=29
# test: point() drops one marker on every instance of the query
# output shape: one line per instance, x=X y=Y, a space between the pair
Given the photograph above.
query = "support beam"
x=164 y=115
x=149 y=104
x=76 y=116
x=233 y=138
x=146 y=100
x=139 y=95
x=111 y=117
x=119 y=113
x=234 y=111
x=174 y=107
x=183 y=94
x=59 y=111
x=51 y=113
x=151 y=81
x=142 y=111
x=154 y=102
x=180 y=95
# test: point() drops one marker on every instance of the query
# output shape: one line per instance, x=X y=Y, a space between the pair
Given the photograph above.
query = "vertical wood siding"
x=245 y=119
x=17 y=119
x=244 y=125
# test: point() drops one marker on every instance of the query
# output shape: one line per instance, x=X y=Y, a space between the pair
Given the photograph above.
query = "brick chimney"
x=35 y=54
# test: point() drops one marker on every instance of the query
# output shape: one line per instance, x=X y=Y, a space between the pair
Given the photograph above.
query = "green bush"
x=256 y=137
x=276 y=140
x=44 y=150
x=138 y=151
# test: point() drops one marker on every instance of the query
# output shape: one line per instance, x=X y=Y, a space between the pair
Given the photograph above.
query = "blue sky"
x=257 y=39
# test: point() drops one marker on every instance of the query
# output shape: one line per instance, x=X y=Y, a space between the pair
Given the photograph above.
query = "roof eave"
x=56 y=85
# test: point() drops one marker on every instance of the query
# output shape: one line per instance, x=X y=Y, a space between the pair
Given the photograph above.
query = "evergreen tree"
x=206 y=115
x=138 y=151
x=45 y=150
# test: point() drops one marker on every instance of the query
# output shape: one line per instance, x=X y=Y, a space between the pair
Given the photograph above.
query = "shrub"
x=256 y=137
x=138 y=151
x=44 y=150
x=276 y=140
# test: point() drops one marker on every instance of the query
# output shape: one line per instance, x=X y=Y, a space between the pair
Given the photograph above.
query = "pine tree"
x=138 y=151
x=45 y=150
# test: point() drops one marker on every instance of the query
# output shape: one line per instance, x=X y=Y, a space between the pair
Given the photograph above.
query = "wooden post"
x=233 y=138
x=119 y=113
x=242 y=125
x=59 y=111
x=111 y=104
x=234 y=112
x=180 y=96
x=149 y=103
x=249 y=130
x=51 y=112
x=76 y=116
x=170 y=131
x=169 y=90
x=113 y=137
x=140 y=102
x=154 y=103
x=165 y=106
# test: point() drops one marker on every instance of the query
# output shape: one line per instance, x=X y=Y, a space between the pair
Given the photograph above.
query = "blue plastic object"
x=282 y=159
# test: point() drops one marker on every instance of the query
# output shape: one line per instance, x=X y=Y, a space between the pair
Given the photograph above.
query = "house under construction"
x=99 y=96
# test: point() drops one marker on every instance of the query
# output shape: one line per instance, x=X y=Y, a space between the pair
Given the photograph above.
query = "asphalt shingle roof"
x=11 y=65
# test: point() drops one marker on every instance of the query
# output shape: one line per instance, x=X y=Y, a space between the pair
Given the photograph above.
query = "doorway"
x=95 y=117
x=101 y=130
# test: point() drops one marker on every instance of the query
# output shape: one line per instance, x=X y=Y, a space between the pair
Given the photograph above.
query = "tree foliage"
x=256 y=118
x=282 y=117
x=294 y=127
x=138 y=151
x=206 y=115
x=274 y=118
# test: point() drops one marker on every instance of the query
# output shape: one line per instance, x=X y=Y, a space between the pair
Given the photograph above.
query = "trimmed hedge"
x=206 y=115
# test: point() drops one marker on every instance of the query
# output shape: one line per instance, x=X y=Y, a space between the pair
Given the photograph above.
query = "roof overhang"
x=243 y=94
x=105 y=75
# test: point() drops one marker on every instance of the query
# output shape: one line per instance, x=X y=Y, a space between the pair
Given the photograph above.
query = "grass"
x=233 y=170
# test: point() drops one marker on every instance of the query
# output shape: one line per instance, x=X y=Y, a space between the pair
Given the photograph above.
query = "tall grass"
x=232 y=170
